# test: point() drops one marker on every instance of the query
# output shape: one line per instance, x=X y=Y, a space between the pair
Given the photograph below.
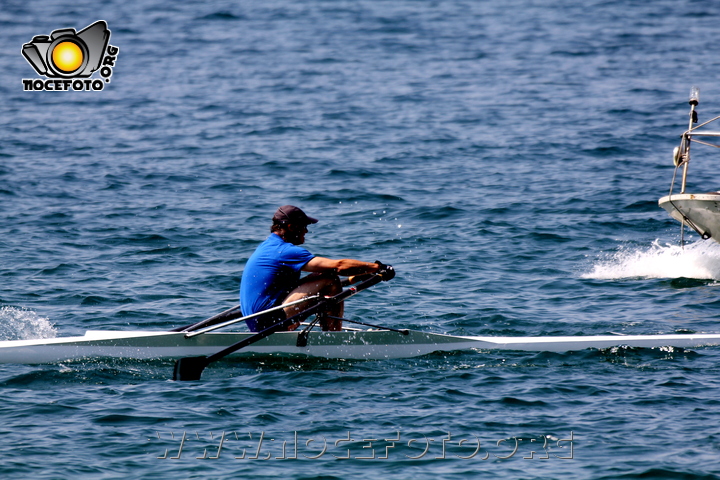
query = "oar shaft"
x=381 y=327
x=248 y=317
x=228 y=314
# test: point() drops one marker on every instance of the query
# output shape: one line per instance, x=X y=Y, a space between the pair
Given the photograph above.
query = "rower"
x=272 y=274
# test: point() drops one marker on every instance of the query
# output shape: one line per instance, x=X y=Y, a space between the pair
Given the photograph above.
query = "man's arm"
x=344 y=267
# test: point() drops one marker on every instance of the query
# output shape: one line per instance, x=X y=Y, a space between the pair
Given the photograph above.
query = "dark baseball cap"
x=291 y=214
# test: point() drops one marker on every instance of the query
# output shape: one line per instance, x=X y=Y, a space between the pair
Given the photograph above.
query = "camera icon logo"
x=66 y=53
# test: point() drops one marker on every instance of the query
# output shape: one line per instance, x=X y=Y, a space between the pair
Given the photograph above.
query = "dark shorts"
x=261 y=323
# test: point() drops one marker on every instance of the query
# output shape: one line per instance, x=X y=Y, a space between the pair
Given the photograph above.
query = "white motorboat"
x=700 y=211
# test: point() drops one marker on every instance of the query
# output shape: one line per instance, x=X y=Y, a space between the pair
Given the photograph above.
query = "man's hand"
x=387 y=272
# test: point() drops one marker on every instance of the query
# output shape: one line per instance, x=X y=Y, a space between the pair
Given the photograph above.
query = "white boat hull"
x=703 y=210
x=366 y=344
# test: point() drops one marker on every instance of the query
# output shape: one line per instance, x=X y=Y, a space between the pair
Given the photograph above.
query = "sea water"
x=505 y=157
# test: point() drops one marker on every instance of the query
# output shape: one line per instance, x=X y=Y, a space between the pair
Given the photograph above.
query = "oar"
x=404 y=331
x=237 y=320
x=230 y=317
x=191 y=368
x=229 y=314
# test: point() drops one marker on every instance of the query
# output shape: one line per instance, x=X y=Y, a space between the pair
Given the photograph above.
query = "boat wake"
x=21 y=324
x=699 y=260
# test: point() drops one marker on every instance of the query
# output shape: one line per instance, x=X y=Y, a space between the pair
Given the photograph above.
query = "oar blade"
x=189 y=368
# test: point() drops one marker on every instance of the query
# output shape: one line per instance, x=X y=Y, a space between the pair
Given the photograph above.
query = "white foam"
x=23 y=324
x=700 y=260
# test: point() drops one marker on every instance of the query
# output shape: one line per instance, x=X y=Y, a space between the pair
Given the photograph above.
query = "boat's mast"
x=694 y=100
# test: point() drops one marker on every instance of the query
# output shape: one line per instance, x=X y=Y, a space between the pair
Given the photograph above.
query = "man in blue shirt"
x=272 y=274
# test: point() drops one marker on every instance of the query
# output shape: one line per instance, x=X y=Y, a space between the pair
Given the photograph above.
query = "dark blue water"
x=505 y=157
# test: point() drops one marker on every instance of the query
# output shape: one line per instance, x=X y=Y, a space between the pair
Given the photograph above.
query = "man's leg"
x=324 y=285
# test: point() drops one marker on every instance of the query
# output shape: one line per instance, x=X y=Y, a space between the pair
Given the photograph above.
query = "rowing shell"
x=358 y=344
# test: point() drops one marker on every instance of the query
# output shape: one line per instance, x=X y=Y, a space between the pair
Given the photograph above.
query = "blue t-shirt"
x=271 y=272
